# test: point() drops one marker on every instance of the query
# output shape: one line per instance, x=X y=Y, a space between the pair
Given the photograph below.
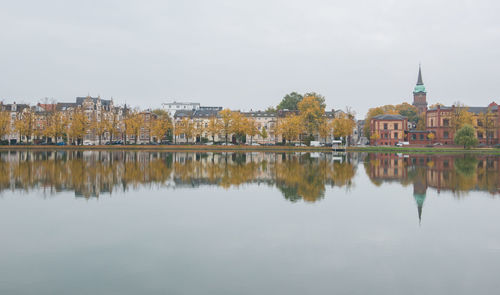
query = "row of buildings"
x=439 y=127
x=98 y=110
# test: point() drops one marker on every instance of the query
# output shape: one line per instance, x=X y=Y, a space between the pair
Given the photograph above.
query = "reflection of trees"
x=305 y=178
x=92 y=173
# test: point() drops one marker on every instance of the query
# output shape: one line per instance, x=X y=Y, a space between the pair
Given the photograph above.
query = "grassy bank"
x=169 y=148
x=245 y=148
x=429 y=150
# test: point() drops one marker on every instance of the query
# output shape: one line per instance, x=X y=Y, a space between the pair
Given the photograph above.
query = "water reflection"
x=91 y=173
x=458 y=174
x=298 y=176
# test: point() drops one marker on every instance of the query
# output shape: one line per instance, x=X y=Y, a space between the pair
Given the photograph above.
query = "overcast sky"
x=249 y=54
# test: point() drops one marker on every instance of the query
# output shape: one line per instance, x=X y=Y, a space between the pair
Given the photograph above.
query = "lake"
x=137 y=222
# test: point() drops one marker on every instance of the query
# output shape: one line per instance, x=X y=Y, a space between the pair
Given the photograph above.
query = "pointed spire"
x=419 y=214
x=419 y=80
x=419 y=198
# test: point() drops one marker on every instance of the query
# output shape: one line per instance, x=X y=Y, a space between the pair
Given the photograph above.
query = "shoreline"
x=244 y=148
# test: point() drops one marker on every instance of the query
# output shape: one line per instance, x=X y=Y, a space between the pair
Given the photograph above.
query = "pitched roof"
x=389 y=117
x=204 y=113
x=61 y=106
x=105 y=102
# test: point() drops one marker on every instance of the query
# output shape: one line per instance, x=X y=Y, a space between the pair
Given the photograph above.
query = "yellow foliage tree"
x=57 y=124
x=133 y=123
x=324 y=130
x=291 y=127
x=226 y=123
x=431 y=136
x=79 y=126
x=160 y=126
x=186 y=127
x=460 y=116
x=312 y=113
x=252 y=129
x=343 y=126
x=25 y=124
x=4 y=124
x=214 y=127
x=238 y=125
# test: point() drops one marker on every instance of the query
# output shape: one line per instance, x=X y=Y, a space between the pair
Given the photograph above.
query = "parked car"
x=61 y=143
x=255 y=144
x=437 y=143
x=300 y=144
x=315 y=143
x=208 y=143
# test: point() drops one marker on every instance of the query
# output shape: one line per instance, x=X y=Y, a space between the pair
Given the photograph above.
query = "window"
x=396 y=125
x=396 y=135
x=432 y=122
x=446 y=122
x=385 y=126
x=421 y=137
x=479 y=135
x=446 y=134
x=414 y=136
x=479 y=123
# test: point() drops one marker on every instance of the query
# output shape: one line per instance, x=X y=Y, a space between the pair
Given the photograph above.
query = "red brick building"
x=388 y=129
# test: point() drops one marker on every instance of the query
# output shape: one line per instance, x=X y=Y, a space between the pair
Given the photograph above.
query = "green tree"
x=290 y=101
x=466 y=136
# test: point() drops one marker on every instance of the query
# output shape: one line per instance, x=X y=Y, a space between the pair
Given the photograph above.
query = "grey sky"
x=249 y=54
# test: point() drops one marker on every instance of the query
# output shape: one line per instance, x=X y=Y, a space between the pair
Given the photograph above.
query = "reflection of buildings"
x=299 y=176
x=458 y=174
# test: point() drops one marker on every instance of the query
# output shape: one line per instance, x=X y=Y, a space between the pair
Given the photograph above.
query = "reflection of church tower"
x=419 y=193
x=419 y=94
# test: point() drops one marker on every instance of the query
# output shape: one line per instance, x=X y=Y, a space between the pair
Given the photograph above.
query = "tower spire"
x=419 y=80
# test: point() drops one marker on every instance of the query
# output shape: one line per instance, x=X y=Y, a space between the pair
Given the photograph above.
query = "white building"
x=172 y=107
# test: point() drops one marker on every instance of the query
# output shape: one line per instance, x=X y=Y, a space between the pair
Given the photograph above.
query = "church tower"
x=419 y=94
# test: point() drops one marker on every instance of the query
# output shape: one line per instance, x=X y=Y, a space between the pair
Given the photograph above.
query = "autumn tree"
x=160 y=126
x=199 y=129
x=460 y=116
x=343 y=125
x=214 y=127
x=57 y=124
x=291 y=127
x=98 y=126
x=324 y=130
x=25 y=124
x=409 y=111
x=186 y=127
x=79 y=125
x=431 y=136
x=312 y=113
x=239 y=126
x=226 y=123
x=251 y=128
x=4 y=124
x=485 y=124
x=133 y=124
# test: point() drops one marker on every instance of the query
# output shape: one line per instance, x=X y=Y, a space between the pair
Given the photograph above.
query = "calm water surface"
x=256 y=223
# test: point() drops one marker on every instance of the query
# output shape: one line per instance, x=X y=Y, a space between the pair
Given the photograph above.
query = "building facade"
x=388 y=129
